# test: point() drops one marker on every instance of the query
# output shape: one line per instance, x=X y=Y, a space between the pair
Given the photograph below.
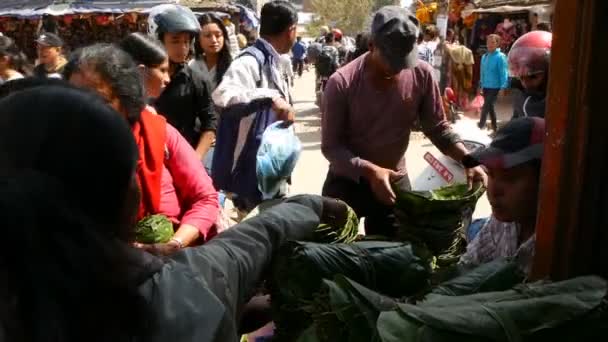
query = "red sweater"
x=187 y=192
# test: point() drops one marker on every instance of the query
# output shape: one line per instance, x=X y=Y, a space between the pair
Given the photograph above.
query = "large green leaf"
x=499 y=275
x=391 y=268
x=501 y=316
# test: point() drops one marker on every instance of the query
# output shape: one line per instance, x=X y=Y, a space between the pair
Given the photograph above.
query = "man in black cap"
x=513 y=161
x=50 y=57
x=369 y=109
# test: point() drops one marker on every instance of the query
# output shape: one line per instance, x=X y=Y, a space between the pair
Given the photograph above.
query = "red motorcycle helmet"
x=337 y=34
x=530 y=54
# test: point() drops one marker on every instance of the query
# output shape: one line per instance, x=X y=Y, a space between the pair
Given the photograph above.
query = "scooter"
x=443 y=170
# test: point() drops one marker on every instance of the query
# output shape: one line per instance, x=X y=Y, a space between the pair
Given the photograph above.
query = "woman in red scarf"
x=171 y=178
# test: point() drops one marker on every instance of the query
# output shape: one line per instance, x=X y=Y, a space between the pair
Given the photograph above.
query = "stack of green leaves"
x=390 y=268
x=324 y=233
x=346 y=311
x=437 y=219
x=521 y=314
x=498 y=275
x=347 y=233
x=154 y=229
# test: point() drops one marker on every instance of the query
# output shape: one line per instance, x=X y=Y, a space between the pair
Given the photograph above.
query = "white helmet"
x=170 y=18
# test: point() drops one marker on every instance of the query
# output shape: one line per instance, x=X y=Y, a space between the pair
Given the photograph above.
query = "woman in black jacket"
x=67 y=269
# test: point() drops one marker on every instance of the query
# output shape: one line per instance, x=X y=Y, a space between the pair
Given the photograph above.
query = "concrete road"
x=312 y=167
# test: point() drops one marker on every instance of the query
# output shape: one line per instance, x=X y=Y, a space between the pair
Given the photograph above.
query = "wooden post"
x=572 y=225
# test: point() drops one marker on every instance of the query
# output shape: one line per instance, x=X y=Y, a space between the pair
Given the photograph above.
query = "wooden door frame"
x=573 y=195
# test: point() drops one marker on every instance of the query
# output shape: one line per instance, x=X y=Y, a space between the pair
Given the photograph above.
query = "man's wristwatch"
x=178 y=242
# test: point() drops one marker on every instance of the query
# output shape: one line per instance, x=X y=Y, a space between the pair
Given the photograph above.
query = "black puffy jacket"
x=199 y=292
x=187 y=104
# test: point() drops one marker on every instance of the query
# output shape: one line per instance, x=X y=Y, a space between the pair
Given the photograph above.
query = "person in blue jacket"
x=299 y=56
x=494 y=79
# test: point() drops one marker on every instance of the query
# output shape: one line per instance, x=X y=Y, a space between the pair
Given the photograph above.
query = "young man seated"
x=513 y=162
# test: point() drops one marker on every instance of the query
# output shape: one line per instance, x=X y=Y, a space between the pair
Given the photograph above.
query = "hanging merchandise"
x=508 y=33
x=468 y=20
x=68 y=18
x=425 y=13
x=461 y=61
x=455 y=10
x=131 y=18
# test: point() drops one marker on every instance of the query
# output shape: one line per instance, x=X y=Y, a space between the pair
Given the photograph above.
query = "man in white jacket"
x=253 y=95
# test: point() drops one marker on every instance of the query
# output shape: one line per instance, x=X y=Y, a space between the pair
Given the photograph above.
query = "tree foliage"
x=351 y=16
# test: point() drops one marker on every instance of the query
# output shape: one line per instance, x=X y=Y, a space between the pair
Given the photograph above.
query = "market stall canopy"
x=116 y=6
x=31 y=8
x=496 y=3
x=540 y=9
x=210 y=5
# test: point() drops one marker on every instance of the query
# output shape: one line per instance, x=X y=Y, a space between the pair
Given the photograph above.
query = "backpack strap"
x=259 y=56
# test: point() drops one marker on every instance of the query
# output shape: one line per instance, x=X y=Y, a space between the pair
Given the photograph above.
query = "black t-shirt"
x=187 y=104
x=528 y=105
x=41 y=71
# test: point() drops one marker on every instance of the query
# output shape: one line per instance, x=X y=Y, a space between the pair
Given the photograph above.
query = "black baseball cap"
x=395 y=32
x=49 y=39
x=518 y=142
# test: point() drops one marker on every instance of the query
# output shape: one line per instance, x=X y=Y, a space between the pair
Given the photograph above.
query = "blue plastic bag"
x=276 y=158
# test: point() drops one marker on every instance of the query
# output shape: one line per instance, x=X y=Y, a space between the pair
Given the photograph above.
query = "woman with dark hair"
x=152 y=59
x=171 y=178
x=13 y=62
x=68 y=270
x=211 y=49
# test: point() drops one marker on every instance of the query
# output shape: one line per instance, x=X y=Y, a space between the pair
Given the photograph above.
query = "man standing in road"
x=369 y=109
x=494 y=79
x=252 y=96
x=299 y=55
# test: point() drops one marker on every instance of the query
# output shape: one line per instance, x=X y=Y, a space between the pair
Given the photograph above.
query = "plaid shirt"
x=499 y=240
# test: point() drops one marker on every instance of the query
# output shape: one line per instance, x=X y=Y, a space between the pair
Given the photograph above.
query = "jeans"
x=489 y=96
x=298 y=66
x=208 y=160
x=379 y=218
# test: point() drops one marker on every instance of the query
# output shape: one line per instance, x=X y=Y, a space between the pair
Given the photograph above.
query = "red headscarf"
x=150 y=135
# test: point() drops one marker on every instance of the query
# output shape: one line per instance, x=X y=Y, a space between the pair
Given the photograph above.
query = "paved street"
x=312 y=167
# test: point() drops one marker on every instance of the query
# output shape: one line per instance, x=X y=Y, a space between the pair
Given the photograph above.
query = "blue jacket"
x=298 y=51
x=494 y=71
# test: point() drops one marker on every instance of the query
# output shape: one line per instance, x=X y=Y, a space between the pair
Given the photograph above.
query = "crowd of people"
x=93 y=142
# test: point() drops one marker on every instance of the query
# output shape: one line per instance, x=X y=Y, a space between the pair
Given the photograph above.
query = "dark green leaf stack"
x=345 y=234
x=525 y=313
x=324 y=233
x=498 y=275
x=347 y=311
x=437 y=219
x=154 y=229
x=391 y=268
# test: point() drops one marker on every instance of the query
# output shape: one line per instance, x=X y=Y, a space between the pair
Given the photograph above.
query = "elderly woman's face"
x=88 y=78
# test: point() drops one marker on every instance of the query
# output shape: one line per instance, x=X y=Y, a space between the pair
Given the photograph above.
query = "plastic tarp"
x=31 y=8
x=508 y=9
x=116 y=6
